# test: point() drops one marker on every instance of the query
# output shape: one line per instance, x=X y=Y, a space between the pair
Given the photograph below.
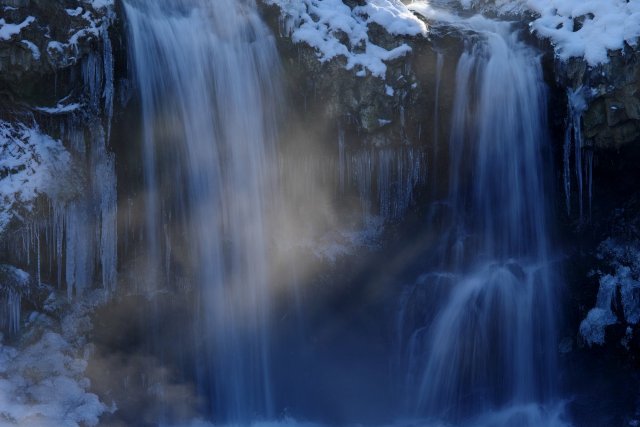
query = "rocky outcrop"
x=39 y=57
x=612 y=92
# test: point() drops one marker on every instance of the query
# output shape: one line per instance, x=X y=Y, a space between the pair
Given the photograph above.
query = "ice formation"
x=14 y=283
x=623 y=279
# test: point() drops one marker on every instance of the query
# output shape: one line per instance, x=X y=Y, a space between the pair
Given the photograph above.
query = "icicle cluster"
x=386 y=178
x=71 y=181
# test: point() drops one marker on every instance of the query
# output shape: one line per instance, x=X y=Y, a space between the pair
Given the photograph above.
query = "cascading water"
x=207 y=72
x=484 y=352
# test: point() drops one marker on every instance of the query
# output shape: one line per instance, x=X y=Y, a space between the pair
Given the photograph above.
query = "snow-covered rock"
x=31 y=164
x=42 y=379
x=335 y=29
x=40 y=38
x=576 y=28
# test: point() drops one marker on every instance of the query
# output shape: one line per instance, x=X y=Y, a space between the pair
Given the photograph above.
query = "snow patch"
x=74 y=12
x=9 y=30
x=35 y=52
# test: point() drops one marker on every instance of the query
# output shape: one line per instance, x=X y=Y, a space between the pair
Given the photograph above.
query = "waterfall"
x=481 y=348
x=207 y=73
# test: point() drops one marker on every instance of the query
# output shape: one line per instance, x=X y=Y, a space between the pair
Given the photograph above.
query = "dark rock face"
x=370 y=104
x=613 y=115
x=40 y=64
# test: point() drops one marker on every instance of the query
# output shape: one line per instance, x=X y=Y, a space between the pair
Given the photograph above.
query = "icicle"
x=341 y=158
x=14 y=301
x=58 y=225
x=362 y=175
x=436 y=116
x=92 y=76
x=167 y=254
x=576 y=105
x=383 y=183
x=589 y=167
x=17 y=282
x=38 y=273
x=106 y=194
x=566 y=157
x=107 y=65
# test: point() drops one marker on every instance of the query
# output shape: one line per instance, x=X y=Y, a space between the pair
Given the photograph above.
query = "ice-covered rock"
x=42 y=378
x=618 y=298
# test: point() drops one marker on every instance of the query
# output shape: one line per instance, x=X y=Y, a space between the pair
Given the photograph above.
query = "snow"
x=389 y=90
x=623 y=260
x=101 y=4
x=577 y=28
x=333 y=29
x=9 y=30
x=74 y=12
x=30 y=163
x=394 y=16
x=607 y=26
x=43 y=382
